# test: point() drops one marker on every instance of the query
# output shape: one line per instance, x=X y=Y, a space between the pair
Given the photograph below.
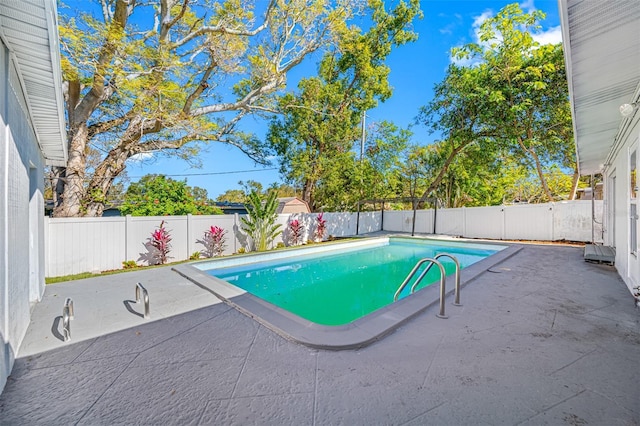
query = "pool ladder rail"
x=433 y=261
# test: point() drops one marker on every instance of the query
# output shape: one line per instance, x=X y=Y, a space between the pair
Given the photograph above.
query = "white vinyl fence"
x=75 y=245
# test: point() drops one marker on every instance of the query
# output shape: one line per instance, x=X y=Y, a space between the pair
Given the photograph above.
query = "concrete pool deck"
x=542 y=338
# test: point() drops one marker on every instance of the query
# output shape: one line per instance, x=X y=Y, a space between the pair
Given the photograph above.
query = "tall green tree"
x=314 y=137
x=158 y=195
x=381 y=160
x=166 y=75
x=513 y=94
x=528 y=90
x=461 y=112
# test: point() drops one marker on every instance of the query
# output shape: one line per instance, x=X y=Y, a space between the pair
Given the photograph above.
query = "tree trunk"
x=445 y=167
x=102 y=181
x=307 y=193
x=72 y=193
x=543 y=180
x=574 y=184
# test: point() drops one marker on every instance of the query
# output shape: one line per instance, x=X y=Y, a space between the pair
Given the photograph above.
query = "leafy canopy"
x=158 y=195
x=260 y=224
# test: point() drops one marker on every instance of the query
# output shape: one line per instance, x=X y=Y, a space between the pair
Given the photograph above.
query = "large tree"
x=314 y=137
x=158 y=195
x=528 y=90
x=163 y=75
x=513 y=92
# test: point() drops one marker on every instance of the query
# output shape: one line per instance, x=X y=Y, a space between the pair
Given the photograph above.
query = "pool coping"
x=354 y=335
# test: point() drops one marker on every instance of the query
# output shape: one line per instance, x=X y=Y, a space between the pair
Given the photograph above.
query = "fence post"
x=189 y=244
x=47 y=244
x=236 y=228
x=127 y=227
x=464 y=222
x=553 y=221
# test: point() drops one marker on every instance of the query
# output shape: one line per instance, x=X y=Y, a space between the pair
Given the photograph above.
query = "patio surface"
x=542 y=338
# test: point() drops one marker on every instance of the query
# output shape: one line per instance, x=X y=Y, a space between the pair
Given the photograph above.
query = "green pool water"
x=337 y=288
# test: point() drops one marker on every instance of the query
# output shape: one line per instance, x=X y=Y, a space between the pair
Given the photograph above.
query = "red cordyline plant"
x=161 y=241
x=296 y=228
x=214 y=241
x=321 y=227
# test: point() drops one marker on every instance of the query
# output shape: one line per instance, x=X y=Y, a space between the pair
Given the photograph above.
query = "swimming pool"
x=336 y=287
x=309 y=294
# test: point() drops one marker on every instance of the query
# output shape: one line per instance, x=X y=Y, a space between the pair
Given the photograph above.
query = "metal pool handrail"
x=457 y=277
x=67 y=316
x=145 y=295
x=413 y=272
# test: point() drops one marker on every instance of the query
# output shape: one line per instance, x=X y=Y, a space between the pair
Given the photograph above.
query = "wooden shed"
x=292 y=205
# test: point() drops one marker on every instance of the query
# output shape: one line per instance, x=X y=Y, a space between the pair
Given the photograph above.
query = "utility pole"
x=364 y=136
x=364 y=115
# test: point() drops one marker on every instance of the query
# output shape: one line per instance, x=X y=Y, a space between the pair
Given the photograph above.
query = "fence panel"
x=484 y=222
x=450 y=222
x=394 y=221
x=76 y=245
x=572 y=220
x=528 y=222
x=139 y=230
x=369 y=222
x=198 y=225
x=340 y=224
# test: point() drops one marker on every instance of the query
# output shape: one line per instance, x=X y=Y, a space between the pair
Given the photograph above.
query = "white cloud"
x=139 y=158
x=475 y=28
x=479 y=20
x=528 y=6
x=551 y=36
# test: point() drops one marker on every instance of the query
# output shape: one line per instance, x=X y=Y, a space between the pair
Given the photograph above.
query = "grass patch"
x=83 y=275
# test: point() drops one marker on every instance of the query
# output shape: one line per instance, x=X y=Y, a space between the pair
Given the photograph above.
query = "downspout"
x=593 y=210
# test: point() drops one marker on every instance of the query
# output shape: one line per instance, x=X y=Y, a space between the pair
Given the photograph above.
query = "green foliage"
x=157 y=195
x=527 y=92
x=167 y=76
x=314 y=137
x=129 y=264
x=214 y=241
x=260 y=224
x=232 y=196
x=511 y=103
x=160 y=240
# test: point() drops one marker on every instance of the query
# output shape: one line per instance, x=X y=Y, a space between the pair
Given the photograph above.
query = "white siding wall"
x=21 y=204
x=617 y=230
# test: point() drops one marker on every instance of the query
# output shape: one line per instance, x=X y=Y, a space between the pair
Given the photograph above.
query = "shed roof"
x=602 y=53
x=29 y=29
x=292 y=205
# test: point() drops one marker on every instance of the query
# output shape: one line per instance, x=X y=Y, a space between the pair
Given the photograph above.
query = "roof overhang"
x=29 y=28
x=601 y=42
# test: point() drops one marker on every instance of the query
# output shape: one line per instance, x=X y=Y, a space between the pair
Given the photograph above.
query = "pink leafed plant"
x=161 y=241
x=297 y=229
x=321 y=228
x=214 y=241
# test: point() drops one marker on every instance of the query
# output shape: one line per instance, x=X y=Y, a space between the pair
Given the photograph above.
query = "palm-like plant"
x=260 y=224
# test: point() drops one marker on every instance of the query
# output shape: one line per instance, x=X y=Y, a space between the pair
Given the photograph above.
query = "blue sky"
x=415 y=69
